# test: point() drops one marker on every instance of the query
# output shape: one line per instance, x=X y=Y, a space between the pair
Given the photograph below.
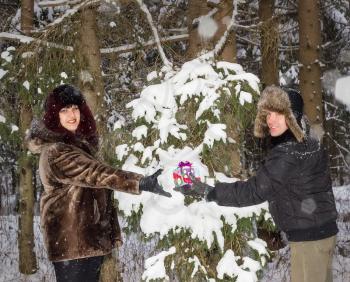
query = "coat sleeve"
x=271 y=177
x=72 y=166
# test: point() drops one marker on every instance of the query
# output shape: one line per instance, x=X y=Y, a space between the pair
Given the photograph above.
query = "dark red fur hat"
x=63 y=96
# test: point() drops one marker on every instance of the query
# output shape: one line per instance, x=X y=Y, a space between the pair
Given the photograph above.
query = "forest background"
x=115 y=52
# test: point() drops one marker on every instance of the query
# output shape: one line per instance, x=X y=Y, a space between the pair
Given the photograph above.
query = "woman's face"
x=70 y=117
x=276 y=123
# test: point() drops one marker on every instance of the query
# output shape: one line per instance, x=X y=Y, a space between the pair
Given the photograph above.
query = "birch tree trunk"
x=27 y=258
x=269 y=43
x=309 y=58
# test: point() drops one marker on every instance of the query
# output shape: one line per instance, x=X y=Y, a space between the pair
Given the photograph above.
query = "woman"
x=295 y=180
x=78 y=220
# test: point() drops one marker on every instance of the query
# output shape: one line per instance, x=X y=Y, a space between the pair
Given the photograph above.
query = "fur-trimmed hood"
x=275 y=99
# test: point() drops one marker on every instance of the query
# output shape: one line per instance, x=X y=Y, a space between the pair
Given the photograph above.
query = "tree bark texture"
x=27 y=258
x=90 y=77
x=91 y=84
x=196 y=8
x=309 y=58
x=90 y=81
x=27 y=16
x=269 y=43
x=223 y=17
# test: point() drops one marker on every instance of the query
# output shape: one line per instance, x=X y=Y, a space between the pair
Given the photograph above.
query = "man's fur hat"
x=289 y=103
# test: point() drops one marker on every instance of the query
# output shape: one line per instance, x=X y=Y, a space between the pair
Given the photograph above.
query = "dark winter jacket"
x=77 y=216
x=295 y=180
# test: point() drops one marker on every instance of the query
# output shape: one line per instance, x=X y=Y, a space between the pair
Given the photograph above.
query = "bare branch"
x=129 y=47
x=120 y=49
x=340 y=148
x=68 y=13
x=56 y=3
x=28 y=39
x=165 y=60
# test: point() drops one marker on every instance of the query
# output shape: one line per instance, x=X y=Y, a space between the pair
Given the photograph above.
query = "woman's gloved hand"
x=197 y=189
x=150 y=184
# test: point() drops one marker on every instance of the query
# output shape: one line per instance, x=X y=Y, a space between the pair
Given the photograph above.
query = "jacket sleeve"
x=72 y=166
x=271 y=177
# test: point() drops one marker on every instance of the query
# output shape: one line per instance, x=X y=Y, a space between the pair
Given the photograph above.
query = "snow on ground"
x=134 y=252
x=9 y=253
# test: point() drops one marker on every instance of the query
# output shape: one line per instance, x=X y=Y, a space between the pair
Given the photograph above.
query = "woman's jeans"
x=79 y=270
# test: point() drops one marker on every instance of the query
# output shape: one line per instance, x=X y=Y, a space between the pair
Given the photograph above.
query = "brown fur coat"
x=77 y=216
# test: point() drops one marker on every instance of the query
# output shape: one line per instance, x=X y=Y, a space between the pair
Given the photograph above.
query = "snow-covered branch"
x=129 y=47
x=45 y=4
x=68 y=13
x=120 y=49
x=28 y=39
x=165 y=60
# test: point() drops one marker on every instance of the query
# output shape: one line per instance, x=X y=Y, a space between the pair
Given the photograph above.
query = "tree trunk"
x=229 y=54
x=27 y=258
x=90 y=78
x=196 y=8
x=91 y=84
x=27 y=16
x=223 y=17
x=269 y=43
x=309 y=58
x=269 y=76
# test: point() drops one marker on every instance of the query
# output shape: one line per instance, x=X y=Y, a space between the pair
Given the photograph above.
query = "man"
x=295 y=180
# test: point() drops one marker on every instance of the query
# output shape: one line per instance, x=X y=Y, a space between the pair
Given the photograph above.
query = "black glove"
x=150 y=184
x=197 y=189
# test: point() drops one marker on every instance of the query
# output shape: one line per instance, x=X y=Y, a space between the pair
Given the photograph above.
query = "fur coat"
x=77 y=216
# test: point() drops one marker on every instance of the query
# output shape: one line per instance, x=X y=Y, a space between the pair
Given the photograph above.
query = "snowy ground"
x=133 y=252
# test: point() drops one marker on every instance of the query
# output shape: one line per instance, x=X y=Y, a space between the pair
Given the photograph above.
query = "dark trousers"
x=78 y=270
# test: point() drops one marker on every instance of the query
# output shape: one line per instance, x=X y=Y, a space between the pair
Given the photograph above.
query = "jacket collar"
x=287 y=136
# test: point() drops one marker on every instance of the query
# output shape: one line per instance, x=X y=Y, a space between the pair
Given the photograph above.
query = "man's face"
x=276 y=123
x=70 y=117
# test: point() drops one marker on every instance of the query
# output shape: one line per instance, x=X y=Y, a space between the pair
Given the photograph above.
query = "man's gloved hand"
x=150 y=184
x=197 y=189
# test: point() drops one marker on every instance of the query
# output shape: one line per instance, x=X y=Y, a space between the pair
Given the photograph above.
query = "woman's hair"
x=61 y=97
